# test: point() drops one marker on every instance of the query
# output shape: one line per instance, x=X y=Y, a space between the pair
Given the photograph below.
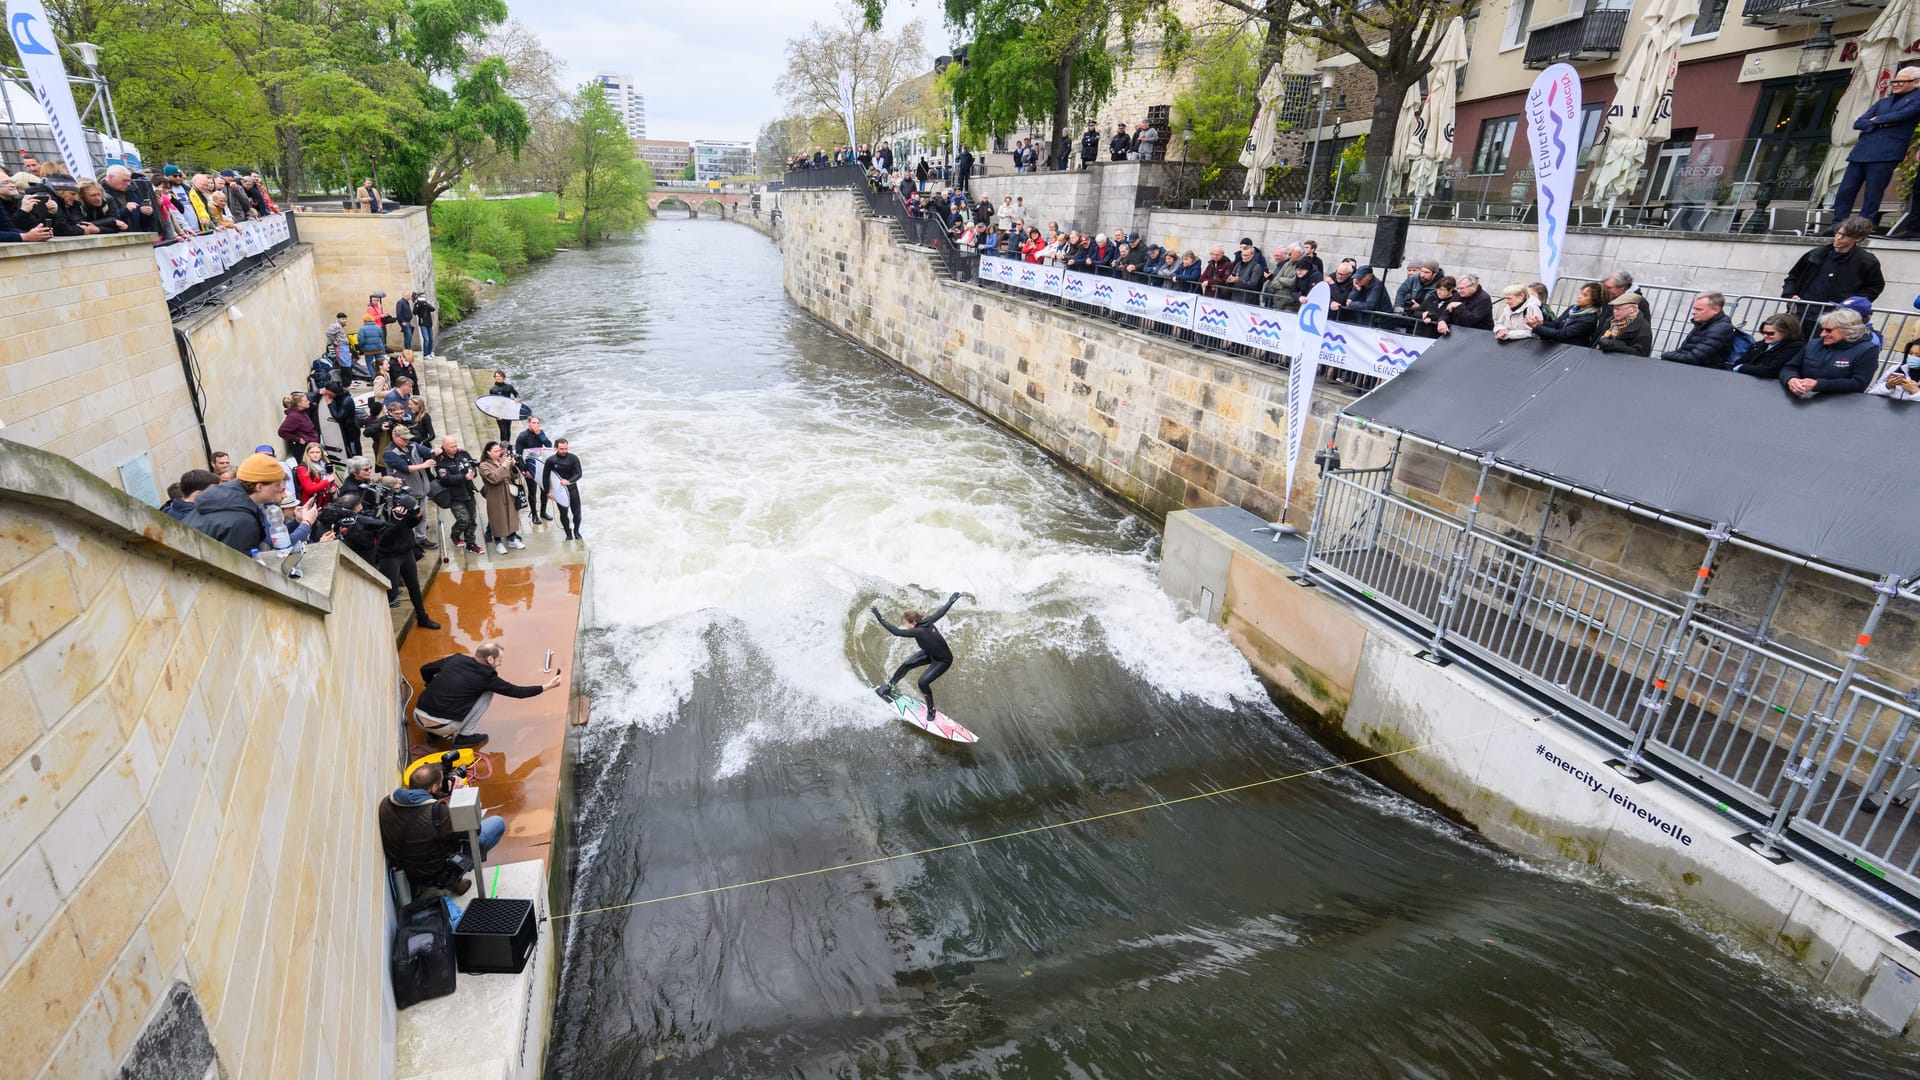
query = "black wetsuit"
x=933 y=655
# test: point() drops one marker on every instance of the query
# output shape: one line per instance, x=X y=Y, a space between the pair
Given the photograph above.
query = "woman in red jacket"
x=313 y=479
x=297 y=429
x=1031 y=247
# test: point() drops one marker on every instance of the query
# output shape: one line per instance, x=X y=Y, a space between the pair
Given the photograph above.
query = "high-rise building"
x=667 y=159
x=717 y=159
x=626 y=100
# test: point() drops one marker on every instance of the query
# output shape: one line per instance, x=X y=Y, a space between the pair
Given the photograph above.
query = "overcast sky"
x=706 y=67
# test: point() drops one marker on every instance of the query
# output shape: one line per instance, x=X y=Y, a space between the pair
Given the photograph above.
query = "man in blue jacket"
x=1709 y=341
x=1885 y=129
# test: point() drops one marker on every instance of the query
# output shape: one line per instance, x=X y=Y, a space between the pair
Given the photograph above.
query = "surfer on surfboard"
x=934 y=655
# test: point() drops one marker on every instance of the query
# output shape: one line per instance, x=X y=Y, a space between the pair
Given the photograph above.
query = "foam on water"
x=780 y=513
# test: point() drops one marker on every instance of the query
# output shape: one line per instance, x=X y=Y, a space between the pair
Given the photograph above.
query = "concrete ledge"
x=1532 y=785
x=55 y=483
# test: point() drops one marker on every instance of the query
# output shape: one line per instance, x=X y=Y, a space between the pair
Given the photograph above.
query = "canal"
x=753 y=483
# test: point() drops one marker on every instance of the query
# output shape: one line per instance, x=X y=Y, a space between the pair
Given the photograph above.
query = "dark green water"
x=753 y=483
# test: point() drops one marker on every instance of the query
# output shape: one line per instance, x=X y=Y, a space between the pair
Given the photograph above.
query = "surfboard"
x=500 y=408
x=914 y=712
x=537 y=457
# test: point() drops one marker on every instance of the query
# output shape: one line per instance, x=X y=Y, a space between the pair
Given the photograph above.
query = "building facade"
x=667 y=158
x=1752 y=108
x=626 y=100
x=718 y=159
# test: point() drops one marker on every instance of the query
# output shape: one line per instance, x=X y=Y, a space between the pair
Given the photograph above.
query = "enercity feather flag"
x=846 y=104
x=1553 y=131
x=1313 y=327
x=40 y=54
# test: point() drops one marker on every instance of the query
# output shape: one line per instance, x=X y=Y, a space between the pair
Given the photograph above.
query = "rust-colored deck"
x=528 y=609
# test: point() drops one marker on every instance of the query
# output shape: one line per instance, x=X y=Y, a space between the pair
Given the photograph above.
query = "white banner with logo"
x=846 y=105
x=40 y=55
x=1553 y=131
x=189 y=262
x=1362 y=349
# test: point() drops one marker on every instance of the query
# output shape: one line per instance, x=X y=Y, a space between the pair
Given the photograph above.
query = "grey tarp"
x=1831 y=479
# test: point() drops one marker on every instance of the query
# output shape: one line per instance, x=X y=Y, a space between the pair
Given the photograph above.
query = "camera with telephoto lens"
x=449 y=763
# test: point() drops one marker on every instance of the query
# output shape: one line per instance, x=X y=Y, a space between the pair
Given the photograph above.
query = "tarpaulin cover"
x=1830 y=478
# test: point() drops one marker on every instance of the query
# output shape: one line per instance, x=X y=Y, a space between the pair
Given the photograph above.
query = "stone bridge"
x=723 y=204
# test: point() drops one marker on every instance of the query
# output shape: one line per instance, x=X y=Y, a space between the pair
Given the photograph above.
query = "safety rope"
x=1035 y=829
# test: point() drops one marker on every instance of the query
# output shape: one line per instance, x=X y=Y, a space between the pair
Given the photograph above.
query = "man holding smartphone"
x=459 y=688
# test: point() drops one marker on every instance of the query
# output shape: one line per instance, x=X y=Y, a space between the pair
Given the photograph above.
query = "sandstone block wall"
x=88 y=365
x=356 y=254
x=191 y=755
x=1110 y=195
x=255 y=348
x=1163 y=426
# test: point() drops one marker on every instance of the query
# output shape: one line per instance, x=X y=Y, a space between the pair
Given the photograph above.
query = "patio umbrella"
x=1263 y=142
x=1642 y=108
x=1880 y=54
x=1435 y=118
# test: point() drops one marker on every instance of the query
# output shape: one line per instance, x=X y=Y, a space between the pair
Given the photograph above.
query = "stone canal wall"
x=191 y=755
x=1163 y=426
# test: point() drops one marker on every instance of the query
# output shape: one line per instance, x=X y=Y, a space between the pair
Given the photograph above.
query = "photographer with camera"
x=455 y=469
x=459 y=690
x=417 y=834
x=381 y=532
x=410 y=462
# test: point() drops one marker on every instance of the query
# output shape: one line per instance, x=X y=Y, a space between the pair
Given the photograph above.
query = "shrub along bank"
x=481 y=240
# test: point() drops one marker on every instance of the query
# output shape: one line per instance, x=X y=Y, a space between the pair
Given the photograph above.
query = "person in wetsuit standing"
x=934 y=654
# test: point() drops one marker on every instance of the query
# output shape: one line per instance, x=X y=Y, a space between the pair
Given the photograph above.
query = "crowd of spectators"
x=43 y=201
x=371 y=486
x=1820 y=343
x=1029 y=155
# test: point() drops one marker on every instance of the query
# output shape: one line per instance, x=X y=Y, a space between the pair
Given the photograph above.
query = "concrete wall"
x=1527 y=783
x=1112 y=194
x=256 y=347
x=356 y=254
x=190 y=760
x=88 y=366
x=1500 y=254
x=1159 y=424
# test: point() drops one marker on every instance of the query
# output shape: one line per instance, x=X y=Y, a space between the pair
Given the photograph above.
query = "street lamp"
x=1325 y=93
x=1817 y=53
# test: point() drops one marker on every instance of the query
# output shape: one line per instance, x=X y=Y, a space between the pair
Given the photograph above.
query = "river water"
x=753 y=482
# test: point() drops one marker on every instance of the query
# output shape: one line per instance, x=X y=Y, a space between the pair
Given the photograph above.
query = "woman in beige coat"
x=498 y=477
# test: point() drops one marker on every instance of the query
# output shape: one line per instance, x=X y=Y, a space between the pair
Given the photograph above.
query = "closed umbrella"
x=1436 y=115
x=1263 y=142
x=1642 y=108
x=1880 y=53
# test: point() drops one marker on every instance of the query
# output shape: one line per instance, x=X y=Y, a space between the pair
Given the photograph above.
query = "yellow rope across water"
x=1032 y=830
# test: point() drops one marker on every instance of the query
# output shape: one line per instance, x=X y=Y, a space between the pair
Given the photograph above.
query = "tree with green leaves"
x=610 y=182
x=1394 y=39
x=1227 y=77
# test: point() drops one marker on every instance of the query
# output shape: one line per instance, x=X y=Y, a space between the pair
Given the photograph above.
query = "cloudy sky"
x=706 y=67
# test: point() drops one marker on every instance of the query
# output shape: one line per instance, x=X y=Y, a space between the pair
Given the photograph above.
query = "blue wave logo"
x=1175 y=307
x=1214 y=318
x=1136 y=300
x=1333 y=343
x=23 y=39
x=1103 y=291
x=1269 y=330
x=1076 y=286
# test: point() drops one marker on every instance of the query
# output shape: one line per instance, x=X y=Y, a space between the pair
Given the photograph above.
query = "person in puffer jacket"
x=1709 y=341
x=1839 y=360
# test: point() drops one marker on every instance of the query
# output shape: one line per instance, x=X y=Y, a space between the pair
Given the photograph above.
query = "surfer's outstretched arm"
x=891 y=629
x=936 y=616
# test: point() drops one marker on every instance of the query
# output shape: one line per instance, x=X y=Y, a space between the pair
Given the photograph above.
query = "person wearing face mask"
x=1903 y=379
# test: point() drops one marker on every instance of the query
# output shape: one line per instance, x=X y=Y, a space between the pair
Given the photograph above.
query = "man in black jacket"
x=1368 y=298
x=1832 y=272
x=532 y=439
x=455 y=469
x=459 y=688
x=1709 y=341
x=231 y=512
x=1471 y=308
x=563 y=472
x=1089 y=146
x=1120 y=144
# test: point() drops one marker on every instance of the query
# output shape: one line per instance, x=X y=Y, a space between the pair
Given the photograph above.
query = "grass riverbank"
x=476 y=241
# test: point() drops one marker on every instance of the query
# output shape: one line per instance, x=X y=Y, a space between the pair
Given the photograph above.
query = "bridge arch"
x=695 y=200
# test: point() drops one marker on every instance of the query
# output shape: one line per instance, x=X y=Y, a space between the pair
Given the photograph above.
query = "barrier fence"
x=1819 y=751
x=195 y=266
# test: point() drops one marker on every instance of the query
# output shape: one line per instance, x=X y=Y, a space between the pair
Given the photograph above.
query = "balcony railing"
x=1593 y=36
x=1775 y=14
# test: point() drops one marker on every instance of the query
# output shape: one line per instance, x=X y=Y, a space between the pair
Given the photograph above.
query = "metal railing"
x=1778 y=14
x=1670 y=312
x=1817 y=750
x=1593 y=36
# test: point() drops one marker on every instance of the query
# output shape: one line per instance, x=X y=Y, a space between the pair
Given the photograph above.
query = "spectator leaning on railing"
x=1779 y=343
x=1840 y=359
x=1627 y=329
